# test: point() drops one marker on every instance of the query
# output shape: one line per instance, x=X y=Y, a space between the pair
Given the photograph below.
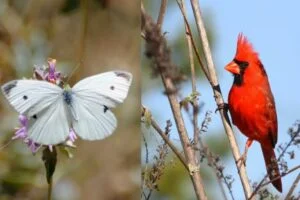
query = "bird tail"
x=272 y=167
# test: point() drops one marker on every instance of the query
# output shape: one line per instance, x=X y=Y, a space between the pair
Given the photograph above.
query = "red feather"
x=252 y=105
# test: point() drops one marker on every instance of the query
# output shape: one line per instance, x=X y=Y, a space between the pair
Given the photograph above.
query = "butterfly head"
x=67 y=87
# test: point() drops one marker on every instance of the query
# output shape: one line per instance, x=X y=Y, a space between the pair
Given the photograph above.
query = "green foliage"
x=176 y=183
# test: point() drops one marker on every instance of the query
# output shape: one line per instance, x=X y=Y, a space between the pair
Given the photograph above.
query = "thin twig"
x=144 y=194
x=162 y=12
x=204 y=69
x=149 y=195
x=218 y=96
x=157 y=169
x=157 y=49
x=210 y=160
x=197 y=141
x=193 y=76
x=147 y=151
x=294 y=185
x=280 y=176
x=194 y=168
x=167 y=140
x=278 y=159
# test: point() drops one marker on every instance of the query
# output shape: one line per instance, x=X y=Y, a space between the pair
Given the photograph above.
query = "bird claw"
x=242 y=160
x=222 y=106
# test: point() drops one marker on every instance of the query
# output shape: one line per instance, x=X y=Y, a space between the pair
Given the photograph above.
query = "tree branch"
x=218 y=96
x=284 y=150
x=279 y=176
x=204 y=69
x=197 y=141
x=157 y=49
x=166 y=139
x=294 y=185
x=193 y=75
x=162 y=12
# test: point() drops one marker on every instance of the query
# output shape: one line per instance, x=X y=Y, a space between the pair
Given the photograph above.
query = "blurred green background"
x=30 y=32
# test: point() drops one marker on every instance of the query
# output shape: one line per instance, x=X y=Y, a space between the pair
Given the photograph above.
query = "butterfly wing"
x=92 y=99
x=30 y=96
x=42 y=103
x=51 y=125
x=95 y=121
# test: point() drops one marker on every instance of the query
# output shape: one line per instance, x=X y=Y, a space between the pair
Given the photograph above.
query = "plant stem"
x=218 y=96
x=50 y=190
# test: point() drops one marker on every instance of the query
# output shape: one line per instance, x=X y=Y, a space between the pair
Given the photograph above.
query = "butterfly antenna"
x=74 y=70
x=5 y=145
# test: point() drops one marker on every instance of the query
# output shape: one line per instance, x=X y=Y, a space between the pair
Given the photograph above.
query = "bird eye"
x=241 y=64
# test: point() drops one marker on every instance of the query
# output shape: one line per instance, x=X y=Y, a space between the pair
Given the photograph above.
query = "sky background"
x=273 y=29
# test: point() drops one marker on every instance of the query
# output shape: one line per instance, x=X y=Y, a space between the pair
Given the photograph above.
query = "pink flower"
x=32 y=145
x=48 y=73
x=22 y=131
x=72 y=135
x=53 y=75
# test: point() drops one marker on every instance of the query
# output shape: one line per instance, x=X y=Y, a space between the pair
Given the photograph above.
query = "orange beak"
x=233 y=68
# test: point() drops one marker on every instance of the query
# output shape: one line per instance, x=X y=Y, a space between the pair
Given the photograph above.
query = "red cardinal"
x=251 y=104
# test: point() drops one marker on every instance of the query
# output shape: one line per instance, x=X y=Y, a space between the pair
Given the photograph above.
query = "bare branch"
x=147 y=151
x=154 y=174
x=294 y=185
x=162 y=12
x=197 y=140
x=193 y=75
x=218 y=96
x=277 y=177
x=204 y=69
x=157 y=50
x=167 y=140
x=294 y=135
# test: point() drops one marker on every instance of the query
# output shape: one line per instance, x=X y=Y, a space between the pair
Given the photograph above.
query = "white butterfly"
x=52 y=111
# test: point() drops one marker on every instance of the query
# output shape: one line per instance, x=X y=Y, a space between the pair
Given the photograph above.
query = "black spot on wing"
x=112 y=87
x=34 y=116
x=123 y=75
x=105 y=109
x=25 y=97
x=7 y=88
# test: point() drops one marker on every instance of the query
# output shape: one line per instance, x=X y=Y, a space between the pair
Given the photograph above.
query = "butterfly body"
x=67 y=94
x=52 y=111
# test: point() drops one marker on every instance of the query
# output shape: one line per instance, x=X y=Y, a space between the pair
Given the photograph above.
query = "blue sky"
x=273 y=29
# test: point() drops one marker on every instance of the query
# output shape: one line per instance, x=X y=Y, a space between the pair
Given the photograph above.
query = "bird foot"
x=242 y=159
x=222 y=106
